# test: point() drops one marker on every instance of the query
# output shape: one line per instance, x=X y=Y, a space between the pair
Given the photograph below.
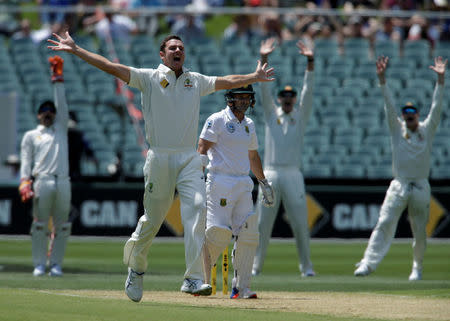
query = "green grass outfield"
x=95 y=266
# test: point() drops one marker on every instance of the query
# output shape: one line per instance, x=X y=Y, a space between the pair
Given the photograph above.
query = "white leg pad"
x=217 y=239
x=244 y=252
x=39 y=239
x=62 y=233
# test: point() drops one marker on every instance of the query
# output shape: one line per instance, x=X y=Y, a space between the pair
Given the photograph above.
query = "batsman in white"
x=228 y=140
x=411 y=142
x=284 y=130
x=170 y=104
x=45 y=178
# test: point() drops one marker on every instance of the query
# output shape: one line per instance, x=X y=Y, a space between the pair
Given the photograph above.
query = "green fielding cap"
x=287 y=89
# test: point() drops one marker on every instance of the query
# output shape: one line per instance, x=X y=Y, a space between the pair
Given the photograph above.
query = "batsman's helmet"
x=229 y=95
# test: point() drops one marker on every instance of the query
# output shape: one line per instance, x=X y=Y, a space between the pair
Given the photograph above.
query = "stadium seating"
x=346 y=136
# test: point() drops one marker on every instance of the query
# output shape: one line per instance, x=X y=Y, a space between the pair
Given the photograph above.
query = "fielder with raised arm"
x=411 y=142
x=170 y=103
x=228 y=141
x=44 y=174
x=285 y=127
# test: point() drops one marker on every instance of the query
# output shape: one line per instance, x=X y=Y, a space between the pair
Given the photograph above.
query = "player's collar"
x=407 y=133
x=165 y=69
x=230 y=115
x=42 y=128
x=280 y=113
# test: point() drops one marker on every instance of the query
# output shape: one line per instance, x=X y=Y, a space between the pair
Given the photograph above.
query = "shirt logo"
x=164 y=83
x=150 y=187
x=247 y=130
x=223 y=202
x=230 y=127
x=187 y=83
x=209 y=124
x=278 y=121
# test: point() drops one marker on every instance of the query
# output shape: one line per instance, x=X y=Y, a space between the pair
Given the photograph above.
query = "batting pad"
x=62 y=233
x=217 y=239
x=244 y=252
x=39 y=237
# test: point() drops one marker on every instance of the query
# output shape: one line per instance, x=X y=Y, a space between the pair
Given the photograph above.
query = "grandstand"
x=347 y=136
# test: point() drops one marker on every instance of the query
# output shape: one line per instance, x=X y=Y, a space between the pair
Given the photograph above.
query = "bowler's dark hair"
x=166 y=39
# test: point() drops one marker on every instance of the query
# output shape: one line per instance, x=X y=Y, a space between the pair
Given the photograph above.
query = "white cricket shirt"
x=411 y=151
x=171 y=106
x=233 y=139
x=284 y=132
x=44 y=150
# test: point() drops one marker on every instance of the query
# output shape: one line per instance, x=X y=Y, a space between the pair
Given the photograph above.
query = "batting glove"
x=268 y=199
x=26 y=189
x=56 y=67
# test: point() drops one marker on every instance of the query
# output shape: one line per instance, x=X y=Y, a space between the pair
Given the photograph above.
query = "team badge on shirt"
x=150 y=187
x=231 y=127
x=187 y=83
x=247 y=130
x=164 y=83
x=223 y=202
x=209 y=124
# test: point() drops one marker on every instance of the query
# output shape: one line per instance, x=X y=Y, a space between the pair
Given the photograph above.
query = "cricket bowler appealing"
x=170 y=96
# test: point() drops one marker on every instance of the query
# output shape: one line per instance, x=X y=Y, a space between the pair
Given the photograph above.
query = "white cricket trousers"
x=414 y=195
x=229 y=201
x=289 y=187
x=52 y=199
x=165 y=170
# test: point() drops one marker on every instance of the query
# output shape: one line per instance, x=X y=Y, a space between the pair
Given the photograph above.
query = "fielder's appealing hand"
x=26 y=190
x=268 y=193
x=56 y=67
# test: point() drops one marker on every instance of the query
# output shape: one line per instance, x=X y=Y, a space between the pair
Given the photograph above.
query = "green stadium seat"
x=325 y=47
x=334 y=149
x=416 y=45
x=379 y=172
x=387 y=48
x=317 y=171
x=219 y=70
x=237 y=49
x=441 y=49
x=349 y=171
x=399 y=72
x=377 y=141
x=314 y=140
x=88 y=168
x=365 y=121
x=427 y=74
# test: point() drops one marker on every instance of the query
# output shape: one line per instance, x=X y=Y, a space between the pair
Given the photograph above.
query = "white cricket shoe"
x=256 y=272
x=134 y=285
x=362 y=270
x=196 y=287
x=244 y=294
x=416 y=275
x=39 y=270
x=55 y=270
x=309 y=273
